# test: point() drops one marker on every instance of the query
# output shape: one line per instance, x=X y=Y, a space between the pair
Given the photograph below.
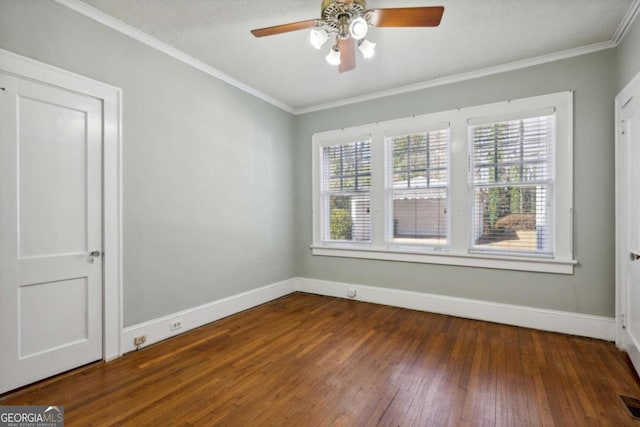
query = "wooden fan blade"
x=406 y=16
x=347 y=54
x=284 y=28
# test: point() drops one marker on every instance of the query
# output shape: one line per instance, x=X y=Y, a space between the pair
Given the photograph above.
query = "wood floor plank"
x=307 y=360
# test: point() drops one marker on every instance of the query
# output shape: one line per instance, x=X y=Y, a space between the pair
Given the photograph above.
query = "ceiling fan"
x=349 y=20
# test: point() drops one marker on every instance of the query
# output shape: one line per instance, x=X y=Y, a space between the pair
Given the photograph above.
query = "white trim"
x=457 y=251
x=112 y=222
x=529 y=317
x=159 y=329
x=134 y=33
x=456 y=78
x=540 y=265
x=22 y=67
x=620 y=219
x=627 y=20
x=621 y=101
x=116 y=24
x=111 y=98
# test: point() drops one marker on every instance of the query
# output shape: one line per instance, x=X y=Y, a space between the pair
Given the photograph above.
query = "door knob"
x=634 y=256
x=94 y=254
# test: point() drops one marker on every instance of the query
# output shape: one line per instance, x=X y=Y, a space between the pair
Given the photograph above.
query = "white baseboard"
x=537 y=318
x=159 y=329
x=530 y=317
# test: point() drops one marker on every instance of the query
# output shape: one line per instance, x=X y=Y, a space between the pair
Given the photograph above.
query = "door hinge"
x=623 y=321
x=623 y=127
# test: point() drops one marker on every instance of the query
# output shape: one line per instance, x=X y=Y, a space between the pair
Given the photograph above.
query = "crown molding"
x=124 y=28
x=517 y=65
x=627 y=20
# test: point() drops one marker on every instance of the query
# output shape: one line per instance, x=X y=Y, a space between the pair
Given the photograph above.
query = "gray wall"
x=217 y=184
x=628 y=55
x=207 y=168
x=591 y=289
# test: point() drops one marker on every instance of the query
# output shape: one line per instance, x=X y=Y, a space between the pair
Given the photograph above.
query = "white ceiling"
x=473 y=35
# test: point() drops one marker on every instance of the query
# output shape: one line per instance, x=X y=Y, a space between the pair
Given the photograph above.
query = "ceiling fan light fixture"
x=318 y=37
x=367 y=48
x=349 y=21
x=358 y=28
x=333 y=57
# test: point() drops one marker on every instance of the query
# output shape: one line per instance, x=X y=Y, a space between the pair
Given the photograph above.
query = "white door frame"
x=621 y=209
x=111 y=97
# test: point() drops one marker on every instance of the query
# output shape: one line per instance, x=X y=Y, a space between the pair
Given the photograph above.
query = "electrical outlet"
x=138 y=341
x=175 y=325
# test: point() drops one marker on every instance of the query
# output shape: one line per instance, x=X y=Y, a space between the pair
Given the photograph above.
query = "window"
x=418 y=181
x=487 y=186
x=346 y=181
x=513 y=185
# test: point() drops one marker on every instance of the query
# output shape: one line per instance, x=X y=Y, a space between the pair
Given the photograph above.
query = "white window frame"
x=458 y=251
x=326 y=193
x=549 y=182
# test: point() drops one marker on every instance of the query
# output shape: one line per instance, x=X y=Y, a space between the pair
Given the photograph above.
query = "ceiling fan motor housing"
x=337 y=15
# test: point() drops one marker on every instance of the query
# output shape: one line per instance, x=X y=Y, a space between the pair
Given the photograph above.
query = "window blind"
x=346 y=192
x=512 y=166
x=418 y=186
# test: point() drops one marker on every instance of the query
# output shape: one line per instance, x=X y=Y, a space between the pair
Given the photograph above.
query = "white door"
x=50 y=222
x=628 y=221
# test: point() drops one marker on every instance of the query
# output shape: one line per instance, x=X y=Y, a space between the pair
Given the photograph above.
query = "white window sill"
x=502 y=262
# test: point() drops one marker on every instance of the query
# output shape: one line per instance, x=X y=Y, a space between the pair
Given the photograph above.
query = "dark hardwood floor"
x=307 y=360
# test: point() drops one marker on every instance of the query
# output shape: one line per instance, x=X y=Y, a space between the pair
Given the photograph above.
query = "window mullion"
x=428 y=162
x=521 y=153
x=378 y=186
x=459 y=224
x=357 y=170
